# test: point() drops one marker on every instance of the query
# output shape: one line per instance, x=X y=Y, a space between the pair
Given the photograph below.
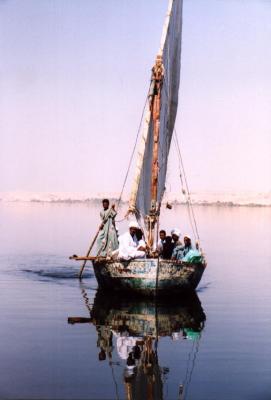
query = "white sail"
x=170 y=52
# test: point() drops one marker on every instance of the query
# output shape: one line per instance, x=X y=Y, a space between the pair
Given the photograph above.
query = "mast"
x=158 y=123
x=157 y=82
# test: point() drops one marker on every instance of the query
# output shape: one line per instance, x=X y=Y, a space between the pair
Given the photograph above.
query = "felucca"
x=153 y=275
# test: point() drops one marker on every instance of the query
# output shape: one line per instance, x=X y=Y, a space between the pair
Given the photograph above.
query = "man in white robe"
x=129 y=246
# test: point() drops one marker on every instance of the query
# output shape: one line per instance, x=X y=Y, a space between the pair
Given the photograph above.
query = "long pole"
x=91 y=245
x=88 y=253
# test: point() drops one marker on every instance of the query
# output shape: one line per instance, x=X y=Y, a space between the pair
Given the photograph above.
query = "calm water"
x=217 y=345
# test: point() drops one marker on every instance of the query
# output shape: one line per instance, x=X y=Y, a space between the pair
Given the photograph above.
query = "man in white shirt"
x=129 y=246
x=161 y=241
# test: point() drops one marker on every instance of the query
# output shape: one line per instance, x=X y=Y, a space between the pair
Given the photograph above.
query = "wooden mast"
x=157 y=80
x=146 y=194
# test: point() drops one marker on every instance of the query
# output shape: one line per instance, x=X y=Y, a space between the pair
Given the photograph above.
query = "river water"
x=216 y=345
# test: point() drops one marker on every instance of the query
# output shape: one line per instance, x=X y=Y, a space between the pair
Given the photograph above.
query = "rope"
x=132 y=155
x=184 y=183
x=186 y=186
x=184 y=192
x=120 y=220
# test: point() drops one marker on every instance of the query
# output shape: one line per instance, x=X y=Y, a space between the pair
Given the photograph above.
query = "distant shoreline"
x=97 y=201
x=201 y=198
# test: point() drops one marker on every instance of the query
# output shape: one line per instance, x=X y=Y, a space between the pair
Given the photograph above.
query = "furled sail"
x=168 y=63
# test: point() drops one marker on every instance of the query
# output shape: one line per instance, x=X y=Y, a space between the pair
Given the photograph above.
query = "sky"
x=73 y=81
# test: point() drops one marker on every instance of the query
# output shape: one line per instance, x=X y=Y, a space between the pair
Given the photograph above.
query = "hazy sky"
x=73 y=81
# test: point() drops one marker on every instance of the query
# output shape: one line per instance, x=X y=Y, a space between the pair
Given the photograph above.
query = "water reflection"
x=132 y=329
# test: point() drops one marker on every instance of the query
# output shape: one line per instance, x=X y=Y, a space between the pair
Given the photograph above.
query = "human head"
x=175 y=234
x=105 y=203
x=133 y=227
x=162 y=234
x=187 y=240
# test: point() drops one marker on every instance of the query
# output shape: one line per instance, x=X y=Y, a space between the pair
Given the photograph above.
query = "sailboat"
x=154 y=275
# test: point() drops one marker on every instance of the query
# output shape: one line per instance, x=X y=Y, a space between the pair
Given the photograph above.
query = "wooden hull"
x=149 y=276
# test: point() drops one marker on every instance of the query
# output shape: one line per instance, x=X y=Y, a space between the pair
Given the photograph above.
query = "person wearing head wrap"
x=175 y=234
x=187 y=245
x=180 y=251
x=131 y=243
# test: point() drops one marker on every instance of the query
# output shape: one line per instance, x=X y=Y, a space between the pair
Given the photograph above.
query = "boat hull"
x=151 y=276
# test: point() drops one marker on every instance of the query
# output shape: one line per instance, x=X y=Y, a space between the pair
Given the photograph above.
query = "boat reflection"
x=148 y=317
x=132 y=328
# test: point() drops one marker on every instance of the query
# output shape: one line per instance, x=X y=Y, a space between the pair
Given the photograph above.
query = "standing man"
x=107 y=240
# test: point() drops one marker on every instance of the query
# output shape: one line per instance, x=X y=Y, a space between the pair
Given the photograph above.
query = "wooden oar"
x=89 y=250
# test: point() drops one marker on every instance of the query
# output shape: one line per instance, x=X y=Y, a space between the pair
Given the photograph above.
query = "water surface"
x=217 y=346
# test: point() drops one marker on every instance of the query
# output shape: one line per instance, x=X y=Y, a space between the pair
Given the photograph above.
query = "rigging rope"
x=184 y=183
x=187 y=191
x=184 y=192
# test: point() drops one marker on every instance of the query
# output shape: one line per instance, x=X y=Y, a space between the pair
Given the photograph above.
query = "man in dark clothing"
x=168 y=247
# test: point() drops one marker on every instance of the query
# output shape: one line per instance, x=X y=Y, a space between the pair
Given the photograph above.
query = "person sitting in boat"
x=175 y=235
x=129 y=245
x=167 y=249
x=180 y=251
x=161 y=241
x=187 y=245
x=107 y=240
x=141 y=245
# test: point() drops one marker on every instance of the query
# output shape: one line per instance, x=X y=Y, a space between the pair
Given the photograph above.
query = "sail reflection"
x=132 y=328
